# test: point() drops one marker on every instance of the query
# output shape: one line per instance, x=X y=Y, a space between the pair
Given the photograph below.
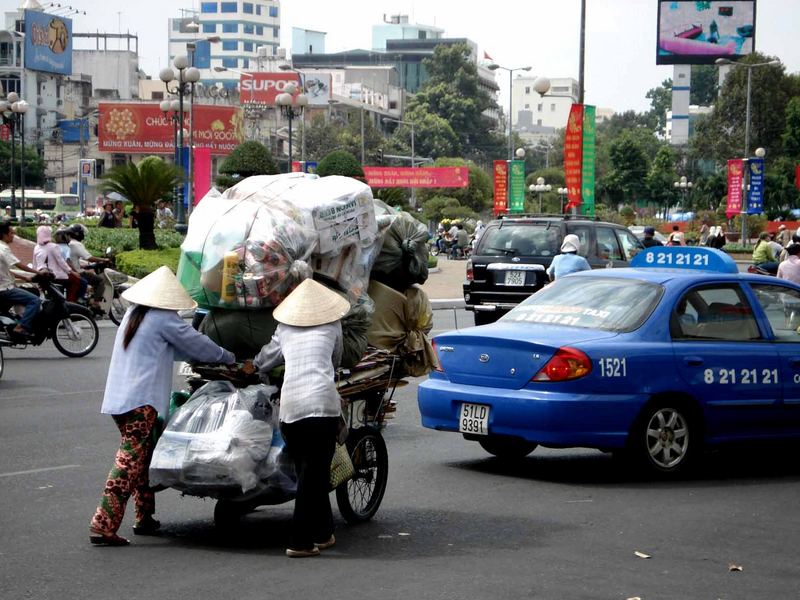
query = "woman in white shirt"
x=137 y=392
x=47 y=255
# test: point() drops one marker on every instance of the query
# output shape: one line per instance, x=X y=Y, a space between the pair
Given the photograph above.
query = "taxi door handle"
x=692 y=361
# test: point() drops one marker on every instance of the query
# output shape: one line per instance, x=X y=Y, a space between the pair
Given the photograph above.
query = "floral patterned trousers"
x=129 y=475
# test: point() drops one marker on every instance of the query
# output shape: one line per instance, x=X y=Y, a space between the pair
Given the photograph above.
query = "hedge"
x=121 y=239
x=138 y=263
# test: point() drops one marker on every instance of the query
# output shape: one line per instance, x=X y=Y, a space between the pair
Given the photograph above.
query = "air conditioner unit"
x=261 y=52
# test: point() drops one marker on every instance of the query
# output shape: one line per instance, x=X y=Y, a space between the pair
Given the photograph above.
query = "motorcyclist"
x=9 y=292
x=78 y=253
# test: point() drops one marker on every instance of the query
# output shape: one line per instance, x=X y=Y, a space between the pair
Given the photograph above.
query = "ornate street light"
x=684 y=186
x=539 y=187
x=13 y=111
x=562 y=195
x=182 y=85
x=291 y=107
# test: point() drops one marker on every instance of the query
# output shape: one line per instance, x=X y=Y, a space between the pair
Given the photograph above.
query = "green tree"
x=340 y=162
x=660 y=102
x=476 y=196
x=709 y=191
x=628 y=169
x=34 y=166
x=791 y=132
x=322 y=137
x=705 y=86
x=661 y=177
x=247 y=159
x=433 y=136
x=144 y=185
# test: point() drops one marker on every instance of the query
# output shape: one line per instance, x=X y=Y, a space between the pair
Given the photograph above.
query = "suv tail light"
x=438 y=366
x=470 y=274
x=566 y=364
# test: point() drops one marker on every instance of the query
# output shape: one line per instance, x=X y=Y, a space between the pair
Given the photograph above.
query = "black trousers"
x=311 y=443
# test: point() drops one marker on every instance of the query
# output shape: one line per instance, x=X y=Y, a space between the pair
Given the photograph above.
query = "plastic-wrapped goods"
x=401 y=324
x=243 y=332
x=241 y=253
x=403 y=260
x=220 y=441
x=354 y=331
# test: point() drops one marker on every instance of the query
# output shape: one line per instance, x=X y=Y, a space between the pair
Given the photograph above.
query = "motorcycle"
x=112 y=304
x=757 y=270
x=71 y=326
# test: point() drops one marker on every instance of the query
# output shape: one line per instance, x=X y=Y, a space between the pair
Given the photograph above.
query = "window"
x=248 y=46
x=527 y=89
x=539 y=122
x=527 y=106
x=176 y=25
x=228 y=7
x=208 y=7
x=230 y=63
x=553 y=107
x=607 y=244
x=540 y=108
x=718 y=312
x=157 y=96
x=230 y=45
x=258 y=9
x=248 y=29
x=782 y=307
x=245 y=63
x=247 y=7
x=259 y=30
x=276 y=32
x=273 y=11
x=630 y=243
x=583 y=233
x=230 y=28
x=209 y=28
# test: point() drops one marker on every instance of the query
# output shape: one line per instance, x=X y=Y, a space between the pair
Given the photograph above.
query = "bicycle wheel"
x=75 y=336
x=117 y=310
x=359 y=498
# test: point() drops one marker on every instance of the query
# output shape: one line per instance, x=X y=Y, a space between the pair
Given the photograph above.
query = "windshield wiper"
x=505 y=250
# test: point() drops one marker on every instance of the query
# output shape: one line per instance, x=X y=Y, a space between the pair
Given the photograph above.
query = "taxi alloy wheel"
x=667 y=437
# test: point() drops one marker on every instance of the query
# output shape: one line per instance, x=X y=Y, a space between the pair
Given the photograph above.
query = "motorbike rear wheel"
x=117 y=310
x=2 y=363
x=76 y=336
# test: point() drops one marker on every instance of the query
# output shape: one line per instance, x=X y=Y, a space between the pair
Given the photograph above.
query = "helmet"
x=78 y=231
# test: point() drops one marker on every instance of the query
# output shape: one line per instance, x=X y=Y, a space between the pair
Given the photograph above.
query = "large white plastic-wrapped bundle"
x=224 y=441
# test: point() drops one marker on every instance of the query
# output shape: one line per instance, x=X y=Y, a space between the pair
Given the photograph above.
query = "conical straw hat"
x=311 y=303
x=160 y=289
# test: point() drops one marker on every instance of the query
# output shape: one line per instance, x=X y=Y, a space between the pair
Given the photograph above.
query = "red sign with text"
x=573 y=156
x=500 y=187
x=735 y=179
x=138 y=128
x=419 y=177
x=264 y=87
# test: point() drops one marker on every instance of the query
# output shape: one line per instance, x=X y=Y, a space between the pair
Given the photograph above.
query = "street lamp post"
x=541 y=85
x=749 y=67
x=291 y=107
x=413 y=159
x=183 y=85
x=562 y=195
x=684 y=186
x=13 y=111
x=539 y=187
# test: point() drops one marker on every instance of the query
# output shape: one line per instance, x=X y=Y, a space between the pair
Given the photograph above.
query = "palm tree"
x=144 y=185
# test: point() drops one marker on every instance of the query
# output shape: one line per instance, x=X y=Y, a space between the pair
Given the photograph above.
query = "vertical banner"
x=797 y=176
x=516 y=186
x=573 y=154
x=755 y=193
x=588 y=160
x=500 y=187
x=202 y=173
x=184 y=165
x=735 y=178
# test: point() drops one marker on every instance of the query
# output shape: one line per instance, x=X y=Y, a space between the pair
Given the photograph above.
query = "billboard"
x=262 y=88
x=139 y=128
x=417 y=177
x=48 y=43
x=692 y=32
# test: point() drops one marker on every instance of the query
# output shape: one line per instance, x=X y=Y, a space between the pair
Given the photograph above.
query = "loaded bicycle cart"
x=245 y=251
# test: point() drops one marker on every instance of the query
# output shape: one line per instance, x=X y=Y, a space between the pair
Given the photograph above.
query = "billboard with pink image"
x=700 y=32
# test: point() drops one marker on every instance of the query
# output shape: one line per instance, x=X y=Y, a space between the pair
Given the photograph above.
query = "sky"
x=543 y=34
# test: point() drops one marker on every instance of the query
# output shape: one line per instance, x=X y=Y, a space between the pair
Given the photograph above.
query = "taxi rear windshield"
x=618 y=305
x=520 y=240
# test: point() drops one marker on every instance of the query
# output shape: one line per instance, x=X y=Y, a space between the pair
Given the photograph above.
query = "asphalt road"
x=454 y=523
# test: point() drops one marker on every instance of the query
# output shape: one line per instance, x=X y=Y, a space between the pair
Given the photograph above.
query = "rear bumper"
x=494 y=301
x=546 y=418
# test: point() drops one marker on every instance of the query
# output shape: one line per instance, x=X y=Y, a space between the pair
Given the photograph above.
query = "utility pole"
x=582 y=57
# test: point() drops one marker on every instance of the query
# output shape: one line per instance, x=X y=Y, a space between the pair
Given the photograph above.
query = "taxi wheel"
x=666 y=438
x=508 y=448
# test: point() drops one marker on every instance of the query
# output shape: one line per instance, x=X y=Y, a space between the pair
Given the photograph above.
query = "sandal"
x=99 y=538
x=147 y=526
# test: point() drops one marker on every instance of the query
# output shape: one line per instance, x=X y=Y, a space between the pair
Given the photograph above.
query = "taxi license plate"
x=473 y=418
x=515 y=277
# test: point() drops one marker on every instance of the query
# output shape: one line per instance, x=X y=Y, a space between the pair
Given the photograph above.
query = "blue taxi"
x=676 y=353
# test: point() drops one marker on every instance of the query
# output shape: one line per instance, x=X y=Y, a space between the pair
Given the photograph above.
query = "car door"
x=609 y=251
x=726 y=362
x=630 y=244
x=781 y=307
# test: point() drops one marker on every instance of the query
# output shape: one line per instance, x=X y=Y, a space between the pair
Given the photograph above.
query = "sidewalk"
x=445 y=284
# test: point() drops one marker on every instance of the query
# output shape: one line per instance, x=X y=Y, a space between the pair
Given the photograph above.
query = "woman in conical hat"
x=309 y=341
x=137 y=391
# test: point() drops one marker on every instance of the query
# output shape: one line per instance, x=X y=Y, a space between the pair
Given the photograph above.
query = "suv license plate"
x=473 y=418
x=515 y=277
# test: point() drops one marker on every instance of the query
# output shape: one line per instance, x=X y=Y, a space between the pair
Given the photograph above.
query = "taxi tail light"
x=438 y=365
x=566 y=364
x=470 y=274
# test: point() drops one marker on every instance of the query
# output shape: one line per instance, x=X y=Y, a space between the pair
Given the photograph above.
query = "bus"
x=48 y=202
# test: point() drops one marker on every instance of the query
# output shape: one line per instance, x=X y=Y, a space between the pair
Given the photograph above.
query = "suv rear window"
x=512 y=239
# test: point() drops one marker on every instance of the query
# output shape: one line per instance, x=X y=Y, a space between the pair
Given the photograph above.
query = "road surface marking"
x=32 y=471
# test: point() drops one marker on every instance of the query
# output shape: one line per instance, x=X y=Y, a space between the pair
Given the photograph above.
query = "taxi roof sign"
x=697 y=258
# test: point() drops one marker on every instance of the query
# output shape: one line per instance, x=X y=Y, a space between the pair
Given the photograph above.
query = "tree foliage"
x=247 y=159
x=34 y=166
x=340 y=162
x=476 y=196
x=661 y=177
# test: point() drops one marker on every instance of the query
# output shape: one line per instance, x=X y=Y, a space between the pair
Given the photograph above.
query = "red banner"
x=264 y=87
x=573 y=156
x=138 y=128
x=735 y=179
x=500 y=187
x=419 y=177
x=797 y=176
x=202 y=173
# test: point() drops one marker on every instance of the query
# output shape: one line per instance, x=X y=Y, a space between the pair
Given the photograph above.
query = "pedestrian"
x=790 y=268
x=704 y=233
x=134 y=217
x=461 y=242
x=569 y=261
x=163 y=215
x=119 y=213
x=309 y=341
x=107 y=217
x=762 y=254
x=9 y=292
x=719 y=239
x=676 y=237
x=137 y=391
x=784 y=237
x=784 y=255
x=650 y=238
